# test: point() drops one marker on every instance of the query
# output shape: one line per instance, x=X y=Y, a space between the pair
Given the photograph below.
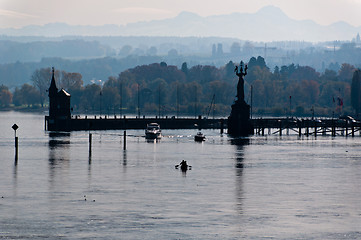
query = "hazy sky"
x=18 y=13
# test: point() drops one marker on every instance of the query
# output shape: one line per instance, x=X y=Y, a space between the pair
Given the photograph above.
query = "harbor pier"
x=114 y=123
x=262 y=126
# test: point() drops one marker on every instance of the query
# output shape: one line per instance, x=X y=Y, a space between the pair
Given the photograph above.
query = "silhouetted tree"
x=125 y=50
x=229 y=70
x=356 y=91
x=329 y=75
x=184 y=68
x=346 y=72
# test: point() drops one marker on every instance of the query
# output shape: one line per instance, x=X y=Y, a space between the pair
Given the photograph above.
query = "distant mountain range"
x=268 y=24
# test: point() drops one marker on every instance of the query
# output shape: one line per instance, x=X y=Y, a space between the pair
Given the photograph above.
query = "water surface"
x=267 y=187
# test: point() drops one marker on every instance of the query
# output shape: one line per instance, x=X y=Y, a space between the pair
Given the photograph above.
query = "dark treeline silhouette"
x=162 y=89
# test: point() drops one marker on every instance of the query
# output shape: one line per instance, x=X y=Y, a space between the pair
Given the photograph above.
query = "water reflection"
x=59 y=144
x=155 y=140
x=15 y=175
x=90 y=157
x=124 y=158
x=239 y=144
x=57 y=139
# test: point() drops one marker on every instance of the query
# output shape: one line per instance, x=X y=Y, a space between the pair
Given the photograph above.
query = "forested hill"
x=100 y=57
x=16 y=74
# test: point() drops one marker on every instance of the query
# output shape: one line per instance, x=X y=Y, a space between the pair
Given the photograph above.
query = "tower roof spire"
x=53 y=89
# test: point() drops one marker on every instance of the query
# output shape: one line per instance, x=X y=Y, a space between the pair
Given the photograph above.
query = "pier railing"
x=307 y=126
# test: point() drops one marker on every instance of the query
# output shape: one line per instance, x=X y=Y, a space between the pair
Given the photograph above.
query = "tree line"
x=162 y=89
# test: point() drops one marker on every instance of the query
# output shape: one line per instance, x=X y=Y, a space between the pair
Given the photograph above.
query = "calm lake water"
x=267 y=187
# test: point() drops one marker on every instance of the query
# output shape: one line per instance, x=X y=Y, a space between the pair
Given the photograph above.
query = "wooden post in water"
x=125 y=140
x=222 y=126
x=16 y=150
x=315 y=130
x=346 y=128
x=280 y=128
x=90 y=144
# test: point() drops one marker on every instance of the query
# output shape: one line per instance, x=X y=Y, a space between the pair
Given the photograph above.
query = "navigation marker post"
x=15 y=127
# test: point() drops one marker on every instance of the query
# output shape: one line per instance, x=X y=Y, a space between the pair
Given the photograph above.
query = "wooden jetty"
x=307 y=126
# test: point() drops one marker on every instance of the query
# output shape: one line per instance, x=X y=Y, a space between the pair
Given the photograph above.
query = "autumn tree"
x=257 y=69
x=91 y=97
x=304 y=73
x=5 y=96
x=41 y=79
x=70 y=81
x=26 y=95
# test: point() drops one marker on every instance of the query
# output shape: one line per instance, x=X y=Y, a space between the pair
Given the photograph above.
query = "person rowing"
x=183 y=166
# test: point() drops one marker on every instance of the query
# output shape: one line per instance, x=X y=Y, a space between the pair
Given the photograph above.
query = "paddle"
x=189 y=166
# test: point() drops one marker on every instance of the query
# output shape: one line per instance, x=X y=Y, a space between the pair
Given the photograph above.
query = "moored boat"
x=199 y=137
x=153 y=131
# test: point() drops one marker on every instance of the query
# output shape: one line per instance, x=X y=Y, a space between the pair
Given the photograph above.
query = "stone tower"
x=59 y=101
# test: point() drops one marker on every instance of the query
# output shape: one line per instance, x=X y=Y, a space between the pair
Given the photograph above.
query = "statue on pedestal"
x=240 y=85
x=239 y=123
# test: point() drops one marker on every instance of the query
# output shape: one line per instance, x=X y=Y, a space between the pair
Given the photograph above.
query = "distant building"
x=357 y=40
x=219 y=50
x=214 y=50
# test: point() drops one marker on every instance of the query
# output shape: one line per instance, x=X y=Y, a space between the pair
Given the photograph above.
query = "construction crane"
x=212 y=105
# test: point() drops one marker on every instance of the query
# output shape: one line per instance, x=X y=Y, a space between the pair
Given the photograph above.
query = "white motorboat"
x=153 y=131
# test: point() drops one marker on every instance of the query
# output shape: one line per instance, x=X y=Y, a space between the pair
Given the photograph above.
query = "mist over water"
x=267 y=187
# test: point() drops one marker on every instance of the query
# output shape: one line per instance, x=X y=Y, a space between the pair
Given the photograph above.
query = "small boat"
x=199 y=137
x=183 y=166
x=153 y=131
